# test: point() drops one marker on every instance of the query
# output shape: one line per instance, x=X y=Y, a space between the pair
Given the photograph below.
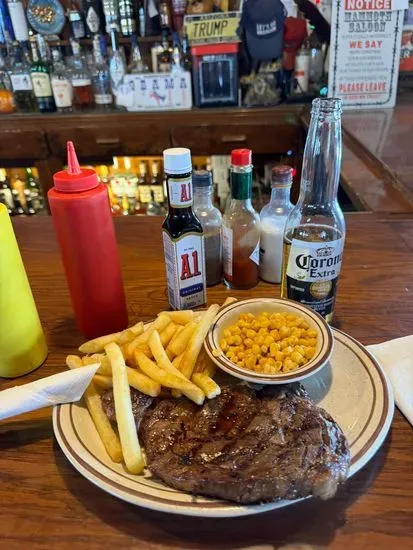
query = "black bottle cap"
x=201 y=178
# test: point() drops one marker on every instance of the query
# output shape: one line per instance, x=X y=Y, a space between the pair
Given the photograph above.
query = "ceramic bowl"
x=229 y=316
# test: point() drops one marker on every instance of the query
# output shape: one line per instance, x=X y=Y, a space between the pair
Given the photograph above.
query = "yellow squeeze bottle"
x=22 y=343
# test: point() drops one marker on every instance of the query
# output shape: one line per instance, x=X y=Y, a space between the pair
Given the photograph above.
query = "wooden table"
x=45 y=503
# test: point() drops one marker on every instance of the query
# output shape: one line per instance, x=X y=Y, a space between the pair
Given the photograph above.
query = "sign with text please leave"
x=365 y=52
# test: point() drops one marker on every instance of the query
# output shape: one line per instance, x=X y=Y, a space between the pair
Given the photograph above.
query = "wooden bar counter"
x=46 y=504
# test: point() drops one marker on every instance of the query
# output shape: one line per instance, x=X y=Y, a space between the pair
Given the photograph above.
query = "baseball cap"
x=263 y=21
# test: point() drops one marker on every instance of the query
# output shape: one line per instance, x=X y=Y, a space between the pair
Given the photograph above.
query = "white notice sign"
x=365 y=52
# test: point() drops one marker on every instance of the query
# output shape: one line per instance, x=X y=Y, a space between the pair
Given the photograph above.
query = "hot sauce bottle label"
x=313 y=270
x=180 y=192
x=227 y=251
x=255 y=254
x=185 y=270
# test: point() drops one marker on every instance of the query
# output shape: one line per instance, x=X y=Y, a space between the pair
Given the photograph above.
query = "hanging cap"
x=177 y=160
x=74 y=179
x=241 y=157
x=281 y=176
x=201 y=178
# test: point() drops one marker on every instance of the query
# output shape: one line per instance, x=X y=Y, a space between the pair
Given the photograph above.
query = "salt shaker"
x=273 y=217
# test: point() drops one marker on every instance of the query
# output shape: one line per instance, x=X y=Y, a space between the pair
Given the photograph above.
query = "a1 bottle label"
x=185 y=270
x=180 y=192
x=312 y=273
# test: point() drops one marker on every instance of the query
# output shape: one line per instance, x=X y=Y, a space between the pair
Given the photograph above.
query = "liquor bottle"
x=211 y=221
x=18 y=207
x=76 y=200
x=6 y=195
x=18 y=19
x=165 y=57
x=142 y=20
x=36 y=195
x=61 y=85
x=153 y=208
x=7 y=104
x=186 y=54
x=241 y=226
x=178 y=13
x=127 y=17
x=29 y=208
x=131 y=185
x=302 y=68
x=136 y=66
x=40 y=74
x=183 y=238
x=176 y=64
x=21 y=82
x=117 y=65
x=315 y=229
x=6 y=26
x=164 y=16
x=76 y=22
x=273 y=217
x=110 y=9
x=101 y=77
x=316 y=60
x=81 y=79
x=94 y=18
x=22 y=344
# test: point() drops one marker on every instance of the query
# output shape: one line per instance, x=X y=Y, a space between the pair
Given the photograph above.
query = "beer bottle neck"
x=322 y=156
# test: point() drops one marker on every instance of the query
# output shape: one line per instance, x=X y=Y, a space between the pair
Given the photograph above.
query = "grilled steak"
x=246 y=446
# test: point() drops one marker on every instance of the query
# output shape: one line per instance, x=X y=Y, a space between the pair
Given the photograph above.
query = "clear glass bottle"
x=117 y=65
x=36 y=196
x=18 y=19
x=127 y=17
x=273 y=217
x=153 y=207
x=81 y=79
x=19 y=72
x=165 y=57
x=40 y=74
x=101 y=77
x=211 y=221
x=136 y=66
x=61 y=84
x=241 y=226
x=315 y=229
x=76 y=22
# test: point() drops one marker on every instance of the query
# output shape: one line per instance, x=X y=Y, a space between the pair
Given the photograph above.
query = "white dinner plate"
x=352 y=388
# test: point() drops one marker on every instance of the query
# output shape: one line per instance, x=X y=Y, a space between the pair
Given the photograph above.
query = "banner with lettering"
x=365 y=52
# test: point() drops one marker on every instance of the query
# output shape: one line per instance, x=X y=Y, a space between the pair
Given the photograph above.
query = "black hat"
x=263 y=21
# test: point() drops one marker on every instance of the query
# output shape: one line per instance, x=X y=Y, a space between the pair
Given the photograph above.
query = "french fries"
x=196 y=341
x=180 y=317
x=104 y=428
x=207 y=385
x=159 y=324
x=103 y=382
x=98 y=344
x=131 y=450
x=180 y=342
x=136 y=380
x=151 y=369
x=204 y=364
x=104 y=369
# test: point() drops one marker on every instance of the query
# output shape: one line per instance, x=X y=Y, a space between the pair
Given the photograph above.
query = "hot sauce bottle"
x=84 y=228
x=241 y=226
x=182 y=233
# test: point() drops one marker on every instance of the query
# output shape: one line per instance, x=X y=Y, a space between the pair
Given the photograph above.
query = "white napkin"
x=396 y=358
x=65 y=387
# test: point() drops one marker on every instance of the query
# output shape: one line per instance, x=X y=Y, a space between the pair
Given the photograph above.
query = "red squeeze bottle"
x=84 y=227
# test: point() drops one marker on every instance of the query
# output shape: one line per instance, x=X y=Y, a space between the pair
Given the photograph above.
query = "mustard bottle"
x=22 y=343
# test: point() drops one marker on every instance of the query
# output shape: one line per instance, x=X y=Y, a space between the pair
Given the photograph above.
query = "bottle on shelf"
x=176 y=63
x=33 y=186
x=141 y=19
x=77 y=198
x=18 y=207
x=6 y=26
x=164 y=15
x=178 y=13
x=127 y=17
x=302 y=68
x=241 y=226
x=18 y=19
x=117 y=65
x=211 y=221
x=165 y=57
x=29 y=209
x=94 y=18
x=61 y=85
x=21 y=82
x=18 y=185
x=315 y=229
x=111 y=12
x=40 y=74
x=101 y=77
x=81 y=79
x=153 y=208
x=186 y=54
x=125 y=205
x=316 y=60
x=77 y=25
x=23 y=346
x=183 y=237
x=7 y=104
x=131 y=185
x=136 y=66
x=273 y=217
x=6 y=195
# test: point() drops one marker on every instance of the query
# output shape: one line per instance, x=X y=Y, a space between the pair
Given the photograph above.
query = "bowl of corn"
x=269 y=341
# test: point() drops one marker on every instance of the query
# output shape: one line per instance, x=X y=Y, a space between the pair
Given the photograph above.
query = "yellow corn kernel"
x=312 y=342
x=289 y=364
x=309 y=353
x=285 y=331
x=255 y=349
x=296 y=357
x=265 y=314
x=264 y=349
x=274 y=347
x=237 y=340
x=268 y=340
x=288 y=350
x=224 y=345
x=312 y=333
x=279 y=356
x=250 y=361
x=226 y=333
x=262 y=360
x=278 y=366
x=230 y=340
x=251 y=333
x=255 y=325
x=283 y=344
x=241 y=354
x=248 y=343
x=276 y=335
x=303 y=342
x=259 y=339
x=304 y=324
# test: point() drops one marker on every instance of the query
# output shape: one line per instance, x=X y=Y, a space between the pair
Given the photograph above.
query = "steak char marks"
x=246 y=446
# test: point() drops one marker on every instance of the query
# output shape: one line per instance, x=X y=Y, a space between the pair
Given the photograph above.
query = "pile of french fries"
x=166 y=355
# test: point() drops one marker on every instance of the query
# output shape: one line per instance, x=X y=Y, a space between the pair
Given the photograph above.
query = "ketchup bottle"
x=84 y=227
